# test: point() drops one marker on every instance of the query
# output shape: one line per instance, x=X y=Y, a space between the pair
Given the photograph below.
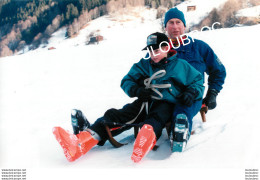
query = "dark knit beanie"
x=174 y=13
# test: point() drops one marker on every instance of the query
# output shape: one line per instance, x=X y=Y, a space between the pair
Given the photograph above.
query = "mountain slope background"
x=28 y=24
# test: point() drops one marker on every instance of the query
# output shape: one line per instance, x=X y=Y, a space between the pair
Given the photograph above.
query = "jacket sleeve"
x=191 y=78
x=214 y=67
x=133 y=79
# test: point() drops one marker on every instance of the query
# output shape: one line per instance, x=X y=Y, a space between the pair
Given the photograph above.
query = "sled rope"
x=157 y=75
x=148 y=85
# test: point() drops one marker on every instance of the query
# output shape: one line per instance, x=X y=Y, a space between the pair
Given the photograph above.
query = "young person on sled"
x=159 y=83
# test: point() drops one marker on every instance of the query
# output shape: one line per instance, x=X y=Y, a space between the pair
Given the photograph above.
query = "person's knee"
x=111 y=115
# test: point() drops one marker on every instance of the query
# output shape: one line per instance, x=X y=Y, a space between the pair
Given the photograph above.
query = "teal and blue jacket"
x=179 y=73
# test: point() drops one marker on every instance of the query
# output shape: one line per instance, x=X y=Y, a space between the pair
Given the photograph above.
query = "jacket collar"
x=172 y=55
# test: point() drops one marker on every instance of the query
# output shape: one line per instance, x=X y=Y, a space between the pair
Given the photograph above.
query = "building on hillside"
x=191 y=8
x=95 y=39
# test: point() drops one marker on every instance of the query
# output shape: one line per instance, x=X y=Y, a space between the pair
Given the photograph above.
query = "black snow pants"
x=160 y=112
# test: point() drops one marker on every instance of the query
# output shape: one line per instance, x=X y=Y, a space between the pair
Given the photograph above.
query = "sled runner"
x=117 y=144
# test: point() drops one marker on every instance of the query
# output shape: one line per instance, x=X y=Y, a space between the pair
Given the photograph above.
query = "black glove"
x=210 y=99
x=187 y=97
x=144 y=94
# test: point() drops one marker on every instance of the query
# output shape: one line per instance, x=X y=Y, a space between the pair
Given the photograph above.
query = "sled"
x=117 y=144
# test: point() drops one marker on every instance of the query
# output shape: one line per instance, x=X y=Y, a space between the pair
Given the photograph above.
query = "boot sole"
x=143 y=143
x=68 y=142
x=181 y=131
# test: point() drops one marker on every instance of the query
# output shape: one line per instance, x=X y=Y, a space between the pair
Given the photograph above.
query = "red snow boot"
x=144 y=142
x=74 y=146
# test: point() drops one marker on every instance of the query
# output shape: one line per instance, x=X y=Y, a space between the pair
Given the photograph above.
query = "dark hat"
x=174 y=13
x=154 y=40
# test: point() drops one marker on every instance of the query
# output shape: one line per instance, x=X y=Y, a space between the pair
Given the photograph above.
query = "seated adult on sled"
x=159 y=83
x=198 y=54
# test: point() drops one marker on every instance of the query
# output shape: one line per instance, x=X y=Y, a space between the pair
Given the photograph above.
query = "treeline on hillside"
x=226 y=15
x=113 y=6
x=31 y=22
x=110 y=7
x=24 y=22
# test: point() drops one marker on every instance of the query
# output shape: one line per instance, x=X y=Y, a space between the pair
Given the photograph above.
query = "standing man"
x=200 y=55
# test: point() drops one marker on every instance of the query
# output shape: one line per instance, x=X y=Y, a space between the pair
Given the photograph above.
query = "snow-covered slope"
x=249 y=12
x=203 y=8
x=39 y=89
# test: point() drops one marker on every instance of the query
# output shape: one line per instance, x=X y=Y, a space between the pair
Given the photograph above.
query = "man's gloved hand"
x=187 y=97
x=210 y=99
x=144 y=94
